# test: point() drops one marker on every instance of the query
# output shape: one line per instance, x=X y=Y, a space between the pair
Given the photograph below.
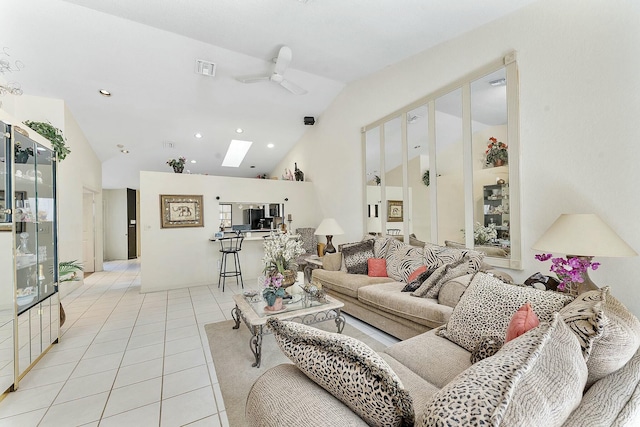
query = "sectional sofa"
x=380 y=301
x=579 y=367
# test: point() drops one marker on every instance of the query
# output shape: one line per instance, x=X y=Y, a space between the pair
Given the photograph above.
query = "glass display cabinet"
x=29 y=213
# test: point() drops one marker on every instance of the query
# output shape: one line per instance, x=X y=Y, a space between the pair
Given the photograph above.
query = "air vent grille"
x=206 y=68
x=168 y=145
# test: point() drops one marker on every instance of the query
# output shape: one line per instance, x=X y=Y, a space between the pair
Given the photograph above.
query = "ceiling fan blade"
x=252 y=79
x=283 y=60
x=292 y=87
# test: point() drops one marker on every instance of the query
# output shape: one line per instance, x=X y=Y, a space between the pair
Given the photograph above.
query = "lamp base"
x=329 y=249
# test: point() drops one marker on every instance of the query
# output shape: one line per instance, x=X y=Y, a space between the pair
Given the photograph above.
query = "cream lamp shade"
x=583 y=235
x=329 y=227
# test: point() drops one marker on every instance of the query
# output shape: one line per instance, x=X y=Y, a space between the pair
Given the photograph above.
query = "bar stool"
x=230 y=246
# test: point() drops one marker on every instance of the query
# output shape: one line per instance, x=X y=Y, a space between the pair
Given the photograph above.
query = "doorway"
x=88 y=231
x=132 y=226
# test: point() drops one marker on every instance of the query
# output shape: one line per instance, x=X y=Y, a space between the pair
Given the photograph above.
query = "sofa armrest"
x=284 y=396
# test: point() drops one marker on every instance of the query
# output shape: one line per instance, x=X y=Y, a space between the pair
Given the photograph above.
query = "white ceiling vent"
x=168 y=145
x=205 y=68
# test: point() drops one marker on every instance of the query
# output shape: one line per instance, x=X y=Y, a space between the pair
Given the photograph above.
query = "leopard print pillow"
x=487 y=306
x=349 y=370
x=487 y=347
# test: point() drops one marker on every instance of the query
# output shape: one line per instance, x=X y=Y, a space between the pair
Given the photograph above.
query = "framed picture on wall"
x=394 y=211
x=181 y=211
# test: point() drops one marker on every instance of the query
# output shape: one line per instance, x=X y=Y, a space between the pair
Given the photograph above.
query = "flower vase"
x=289 y=279
x=274 y=305
x=498 y=162
x=178 y=169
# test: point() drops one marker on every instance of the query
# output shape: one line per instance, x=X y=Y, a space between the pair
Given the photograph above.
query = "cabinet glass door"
x=5 y=170
x=45 y=213
x=34 y=216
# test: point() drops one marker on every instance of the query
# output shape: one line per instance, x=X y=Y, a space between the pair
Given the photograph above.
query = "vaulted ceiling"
x=144 y=53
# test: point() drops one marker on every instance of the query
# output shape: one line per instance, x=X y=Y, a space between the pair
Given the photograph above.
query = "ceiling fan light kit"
x=277 y=75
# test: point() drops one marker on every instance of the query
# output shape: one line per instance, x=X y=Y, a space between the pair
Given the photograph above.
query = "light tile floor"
x=130 y=359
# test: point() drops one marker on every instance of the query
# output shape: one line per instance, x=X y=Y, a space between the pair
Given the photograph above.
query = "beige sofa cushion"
x=619 y=408
x=618 y=342
x=488 y=305
x=423 y=353
x=344 y=283
x=518 y=385
x=389 y=298
x=332 y=262
x=452 y=291
x=421 y=391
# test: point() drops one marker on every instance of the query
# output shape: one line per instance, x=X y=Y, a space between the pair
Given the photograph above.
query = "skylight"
x=236 y=152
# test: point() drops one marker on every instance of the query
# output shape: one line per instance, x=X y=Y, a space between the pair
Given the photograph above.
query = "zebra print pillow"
x=402 y=260
x=437 y=256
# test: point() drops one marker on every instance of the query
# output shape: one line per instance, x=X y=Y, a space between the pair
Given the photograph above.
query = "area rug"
x=232 y=358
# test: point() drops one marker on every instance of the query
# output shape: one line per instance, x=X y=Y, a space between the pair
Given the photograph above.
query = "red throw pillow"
x=418 y=271
x=377 y=267
x=522 y=321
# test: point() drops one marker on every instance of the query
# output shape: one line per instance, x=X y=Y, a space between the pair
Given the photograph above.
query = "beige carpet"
x=233 y=358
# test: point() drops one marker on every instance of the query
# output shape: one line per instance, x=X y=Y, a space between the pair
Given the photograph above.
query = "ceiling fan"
x=277 y=76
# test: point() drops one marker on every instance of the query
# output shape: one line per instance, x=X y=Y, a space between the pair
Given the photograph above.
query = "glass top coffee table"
x=250 y=309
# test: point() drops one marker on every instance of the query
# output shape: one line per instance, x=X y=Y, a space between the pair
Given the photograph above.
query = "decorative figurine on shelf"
x=288 y=175
x=298 y=173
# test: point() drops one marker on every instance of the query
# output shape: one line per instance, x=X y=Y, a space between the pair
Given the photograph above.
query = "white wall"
x=579 y=107
x=181 y=257
x=116 y=244
x=81 y=169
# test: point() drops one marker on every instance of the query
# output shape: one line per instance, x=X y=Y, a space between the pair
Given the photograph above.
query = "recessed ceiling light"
x=239 y=130
x=270 y=145
x=198 y=135
x=104 y=92
x=193 y=161
x=124 y=151
x=236 y=152
x=120 y=146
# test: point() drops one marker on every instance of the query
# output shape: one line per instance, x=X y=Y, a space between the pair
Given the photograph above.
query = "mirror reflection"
x=490 y=164
x=419 y=176
x=472 y=197
x=393 y=178
x=450 y=167
x=373 y=209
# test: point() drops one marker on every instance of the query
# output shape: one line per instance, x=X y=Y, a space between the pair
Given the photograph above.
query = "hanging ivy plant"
x=53 y=134
x=425 y=178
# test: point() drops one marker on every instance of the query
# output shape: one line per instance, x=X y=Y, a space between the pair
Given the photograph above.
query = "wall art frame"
x=395 y=211
x=178 y=211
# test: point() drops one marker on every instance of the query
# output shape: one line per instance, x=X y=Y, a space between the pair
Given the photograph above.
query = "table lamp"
x=583 y=236
x=329 y=227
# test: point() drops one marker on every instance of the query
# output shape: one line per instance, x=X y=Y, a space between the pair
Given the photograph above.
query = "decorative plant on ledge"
x=22 y=154
x=53 y=134
x=177 y=165
x=497 y=154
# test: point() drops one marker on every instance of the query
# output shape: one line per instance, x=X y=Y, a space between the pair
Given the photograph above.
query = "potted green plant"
x=497 y=154
x=53 y=134
x=177 y=165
